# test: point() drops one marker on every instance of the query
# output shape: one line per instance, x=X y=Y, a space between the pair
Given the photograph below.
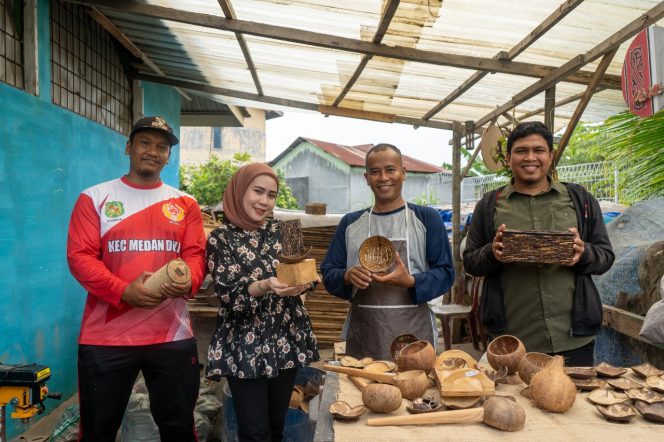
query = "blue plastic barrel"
x=298 y=427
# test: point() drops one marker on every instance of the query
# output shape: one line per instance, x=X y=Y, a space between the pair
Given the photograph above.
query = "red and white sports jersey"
x=118 y=230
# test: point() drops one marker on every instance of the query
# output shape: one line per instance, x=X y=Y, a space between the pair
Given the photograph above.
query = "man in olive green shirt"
x=553 y=309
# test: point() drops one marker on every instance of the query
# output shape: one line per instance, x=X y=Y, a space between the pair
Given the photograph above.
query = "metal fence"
x=599 y=178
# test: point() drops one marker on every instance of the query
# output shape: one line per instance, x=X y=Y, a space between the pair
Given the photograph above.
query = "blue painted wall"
x=48 y=155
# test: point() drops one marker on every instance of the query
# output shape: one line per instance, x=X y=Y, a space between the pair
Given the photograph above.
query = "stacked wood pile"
x=327 y=312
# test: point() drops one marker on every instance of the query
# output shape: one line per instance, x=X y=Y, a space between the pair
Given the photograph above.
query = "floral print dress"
x=255 y=336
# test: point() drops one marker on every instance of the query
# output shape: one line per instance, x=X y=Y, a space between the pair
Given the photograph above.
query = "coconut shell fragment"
x=343 y=411
x=603 y=396
x=381 y=398
x=645 y=395
x=623 y=384
x=580 y=372
x=655 y=383
x=645 y=370
x=617 y=412
x=652 y=412
x=504 y=414
x=609 y=371
x=588 y=384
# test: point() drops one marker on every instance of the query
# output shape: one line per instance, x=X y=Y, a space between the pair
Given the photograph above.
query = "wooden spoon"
x=386 y=378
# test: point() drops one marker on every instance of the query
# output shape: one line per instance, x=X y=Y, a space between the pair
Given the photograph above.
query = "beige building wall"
x=197 y=144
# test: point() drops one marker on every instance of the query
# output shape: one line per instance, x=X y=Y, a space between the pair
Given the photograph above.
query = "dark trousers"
x=579 y=357
x=106 y=375
x=261 y=405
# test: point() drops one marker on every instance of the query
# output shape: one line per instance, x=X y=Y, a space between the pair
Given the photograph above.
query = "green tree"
x=583 y=146
x=424 y=200
x=634 y=145
x=207 y=182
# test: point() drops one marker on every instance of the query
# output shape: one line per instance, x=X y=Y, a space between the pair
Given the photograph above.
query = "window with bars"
x=11 y=43
x=87 y=71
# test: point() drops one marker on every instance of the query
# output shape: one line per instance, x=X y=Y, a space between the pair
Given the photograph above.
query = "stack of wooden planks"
x=327 y=312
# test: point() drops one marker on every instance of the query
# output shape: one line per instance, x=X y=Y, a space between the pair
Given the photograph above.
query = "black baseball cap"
x=155 y=123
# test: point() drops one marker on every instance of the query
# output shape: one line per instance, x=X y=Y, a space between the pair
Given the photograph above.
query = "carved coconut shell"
x=349 y=361
x=505 y=351
x=623 y=384
x=602 y=396
x=532 y=363
x=609 y=371
x=504 y=414
x=656 y=383
x=418 y=355
x=645 y=370
x=459 y=403
x=588 y=384
x=381 y=398
x=412 y=384
x=580 y=372
x=645 y=395
x=617 y=412
x=380 y=367
x=652 y=412
x=400 y=342
x=343 y=411
x=377 y=254
x=424 y=405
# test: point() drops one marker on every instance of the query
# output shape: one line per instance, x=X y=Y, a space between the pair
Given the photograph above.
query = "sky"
x=425 y=144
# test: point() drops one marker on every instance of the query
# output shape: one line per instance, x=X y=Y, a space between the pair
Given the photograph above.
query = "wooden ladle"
x=497 y=412
x=386 y=378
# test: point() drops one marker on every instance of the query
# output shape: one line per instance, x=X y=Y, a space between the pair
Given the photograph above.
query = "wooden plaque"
x=545 y=247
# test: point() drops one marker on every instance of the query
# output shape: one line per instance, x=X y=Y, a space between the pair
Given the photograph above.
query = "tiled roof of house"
x=354 y=155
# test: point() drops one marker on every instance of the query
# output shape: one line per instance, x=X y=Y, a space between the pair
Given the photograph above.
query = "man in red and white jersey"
x=120 y=232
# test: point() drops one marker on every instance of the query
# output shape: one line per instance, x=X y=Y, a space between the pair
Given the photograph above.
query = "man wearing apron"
x=386 y=306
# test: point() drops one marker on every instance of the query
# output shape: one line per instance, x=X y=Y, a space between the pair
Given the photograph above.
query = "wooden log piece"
x=175 y=270
x=546 y=247
x=303 y=272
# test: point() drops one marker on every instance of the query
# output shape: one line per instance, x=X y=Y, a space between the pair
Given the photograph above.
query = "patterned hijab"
x=237 y=187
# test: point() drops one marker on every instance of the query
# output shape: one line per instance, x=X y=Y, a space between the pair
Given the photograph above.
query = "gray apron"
x=381 y=312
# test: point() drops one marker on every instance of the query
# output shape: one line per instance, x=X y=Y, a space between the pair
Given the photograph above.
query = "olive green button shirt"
x=538 y=297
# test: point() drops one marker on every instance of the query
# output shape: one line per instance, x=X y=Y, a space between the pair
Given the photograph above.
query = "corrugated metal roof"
x=312 y=75
x=354 y=156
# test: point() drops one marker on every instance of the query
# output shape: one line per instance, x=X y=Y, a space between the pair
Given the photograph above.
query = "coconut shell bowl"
x=504 y=353
x=377 y=254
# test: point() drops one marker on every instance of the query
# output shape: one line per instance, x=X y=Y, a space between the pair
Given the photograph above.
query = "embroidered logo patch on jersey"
x=114 y=209
x=173 y=212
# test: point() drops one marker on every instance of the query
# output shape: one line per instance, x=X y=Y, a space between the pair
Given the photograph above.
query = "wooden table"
x=581 y=423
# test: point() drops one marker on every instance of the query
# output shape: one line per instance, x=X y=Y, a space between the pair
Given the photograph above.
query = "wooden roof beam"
x=122 y=38
x=568 y=100
x=345 y=112
x=385 y=20
x=227 y=8
x=521 y=46
x=344 y=44
x=587 y=95
x=608 y=45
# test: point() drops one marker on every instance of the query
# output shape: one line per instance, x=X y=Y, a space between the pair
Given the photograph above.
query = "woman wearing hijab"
x=263 y=331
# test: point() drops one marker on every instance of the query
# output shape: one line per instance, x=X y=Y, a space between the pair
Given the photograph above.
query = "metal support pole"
x=457 y=132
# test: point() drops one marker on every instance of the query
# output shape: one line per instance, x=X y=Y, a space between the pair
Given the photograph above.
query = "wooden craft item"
x=505 y=351
x=645 y=370
x=546 y=247
x=343 y=411
x=580 y=372
x=460 y=403
x=602 y=396
x=304 y=272
x=652 y=412
x=400 y=342
x=419 y=355
x=380 y=366
x=609 y=371
x=656 y=383
x=386 y=378
x=470 y=361
x=500 y=413
x=645 y=395
x=377 y=254
x=466 y=382
x=315 y=208
x=292 y=243
x=623 y=384
x=175 y=271
x=360 y=383
x=531 y=364
x=617 y=412
x=588 y=384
